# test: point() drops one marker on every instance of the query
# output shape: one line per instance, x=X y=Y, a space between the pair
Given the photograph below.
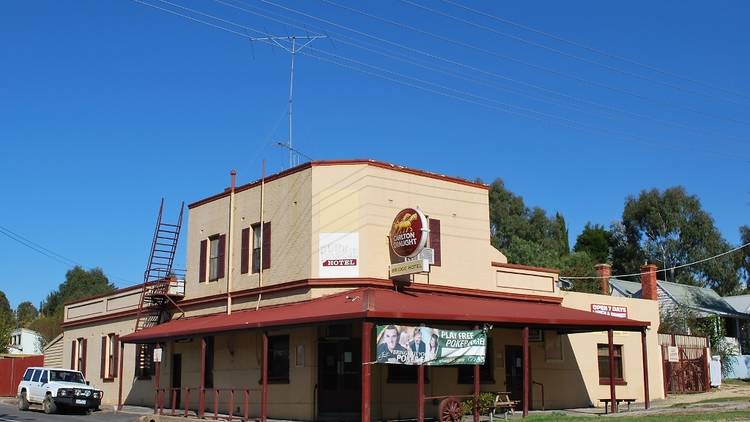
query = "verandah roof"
x=386 y=304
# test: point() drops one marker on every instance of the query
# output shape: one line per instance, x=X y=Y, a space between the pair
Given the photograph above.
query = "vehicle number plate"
x=80 y=401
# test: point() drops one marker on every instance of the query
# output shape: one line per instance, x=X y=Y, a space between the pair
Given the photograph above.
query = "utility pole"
x=289 y=44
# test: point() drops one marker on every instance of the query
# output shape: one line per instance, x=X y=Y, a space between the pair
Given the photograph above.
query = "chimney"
x=648 y=282
x=603 y=271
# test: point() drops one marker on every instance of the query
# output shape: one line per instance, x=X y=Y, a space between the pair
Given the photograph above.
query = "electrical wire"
x=505 y=57
x=676 y=267
x=408 y=59
x=461 y=95
x=592 y=49
x=558 y=51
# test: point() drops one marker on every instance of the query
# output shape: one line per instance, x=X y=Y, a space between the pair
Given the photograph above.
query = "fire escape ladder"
x=160 y=280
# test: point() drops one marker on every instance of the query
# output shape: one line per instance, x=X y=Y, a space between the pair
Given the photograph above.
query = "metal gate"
x=12 y=369
x=688 y=372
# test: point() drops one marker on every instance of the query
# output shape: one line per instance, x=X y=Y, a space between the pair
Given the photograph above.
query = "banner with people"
x=418 y=345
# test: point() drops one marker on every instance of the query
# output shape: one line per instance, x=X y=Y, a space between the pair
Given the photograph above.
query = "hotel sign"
x=338 y=255
x=408 y=235
x=610 y=310
x=410 y=267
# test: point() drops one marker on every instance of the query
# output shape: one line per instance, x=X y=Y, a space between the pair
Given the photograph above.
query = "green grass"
x=714 y=400
x=745 y=381
x=737 y=415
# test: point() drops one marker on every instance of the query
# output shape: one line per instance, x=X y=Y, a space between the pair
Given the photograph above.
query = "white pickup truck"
x=57 y=389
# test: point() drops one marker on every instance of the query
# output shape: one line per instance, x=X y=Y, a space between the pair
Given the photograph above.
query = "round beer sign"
x=408 y=233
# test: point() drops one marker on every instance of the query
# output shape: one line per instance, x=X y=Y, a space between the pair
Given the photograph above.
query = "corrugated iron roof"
x=386 y=304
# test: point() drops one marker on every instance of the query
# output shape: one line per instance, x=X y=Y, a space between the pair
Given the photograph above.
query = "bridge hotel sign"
x=408 y=238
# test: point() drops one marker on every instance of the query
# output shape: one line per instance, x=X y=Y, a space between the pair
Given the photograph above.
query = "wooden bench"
x=504 y=404
x=617 y=403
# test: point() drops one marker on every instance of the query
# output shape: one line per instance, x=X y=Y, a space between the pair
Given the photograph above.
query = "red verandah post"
x=612 y=395
x=420 y=393
x=525 y=371
x=646 y=401
x=119 y=388
x=366 y=368
x=477 y=374
x=157 y=384
x=264 y=381
x=202 y=382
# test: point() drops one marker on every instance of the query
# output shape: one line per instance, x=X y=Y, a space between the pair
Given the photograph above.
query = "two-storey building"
x=288 y=277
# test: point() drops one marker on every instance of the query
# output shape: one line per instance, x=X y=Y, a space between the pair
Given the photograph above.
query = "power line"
x=557 y=51
x=408 y=59
x=700 y=261
x=591 y=49
x=461 y=95
x=505 y=57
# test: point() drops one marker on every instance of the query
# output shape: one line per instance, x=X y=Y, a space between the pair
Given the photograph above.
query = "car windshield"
x=66 y=376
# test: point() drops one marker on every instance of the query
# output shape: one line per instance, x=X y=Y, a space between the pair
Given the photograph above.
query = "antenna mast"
x=292 y=49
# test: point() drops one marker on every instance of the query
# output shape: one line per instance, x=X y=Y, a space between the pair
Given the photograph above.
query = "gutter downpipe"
x=262 y=230
x=230 y=268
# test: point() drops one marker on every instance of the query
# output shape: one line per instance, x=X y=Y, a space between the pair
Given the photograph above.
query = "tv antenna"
x=289 y=44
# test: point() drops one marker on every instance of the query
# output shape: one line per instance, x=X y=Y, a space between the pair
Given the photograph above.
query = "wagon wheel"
x=450 y=410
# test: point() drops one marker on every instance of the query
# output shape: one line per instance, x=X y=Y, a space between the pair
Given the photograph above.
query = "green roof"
x=700 y=298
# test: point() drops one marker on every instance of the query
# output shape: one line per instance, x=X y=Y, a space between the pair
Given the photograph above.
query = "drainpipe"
x=230 y=268
x=262 y=231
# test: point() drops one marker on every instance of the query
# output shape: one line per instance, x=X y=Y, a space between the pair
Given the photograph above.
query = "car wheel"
x=23 y=402
x=49 y=405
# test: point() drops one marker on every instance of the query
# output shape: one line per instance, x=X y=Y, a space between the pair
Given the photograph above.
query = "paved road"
x=10 y=413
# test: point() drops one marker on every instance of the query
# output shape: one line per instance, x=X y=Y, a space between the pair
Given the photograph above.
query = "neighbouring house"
x=282 y=323
x=53 y=352
x=25 y=342
x=741 y=363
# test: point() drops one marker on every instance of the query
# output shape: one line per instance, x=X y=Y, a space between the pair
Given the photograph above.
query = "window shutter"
x=266 y=245
x=245 y=251
x=202 y=262
x=435 y=239
x=221 y=261
x=73 y=356
x=116 y=353
x=103 y=372
x=83 y=355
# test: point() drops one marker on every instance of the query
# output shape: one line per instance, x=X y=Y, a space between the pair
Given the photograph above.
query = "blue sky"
x=106 y=106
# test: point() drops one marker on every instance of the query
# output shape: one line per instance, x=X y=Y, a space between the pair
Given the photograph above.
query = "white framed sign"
x=673 y=354
x=338 y=255
x=157 y=354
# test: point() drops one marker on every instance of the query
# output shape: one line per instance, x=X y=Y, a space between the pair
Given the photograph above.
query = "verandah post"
x=420 y=393
x=264 y=381
x=202 y=382
x=612 y=395
x=477 y=374
x=121 y=358
x=366 y=368
x=525 y=371
x=646 y=401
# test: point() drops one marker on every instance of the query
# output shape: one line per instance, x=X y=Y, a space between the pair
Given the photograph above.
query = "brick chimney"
x=603 y=271
x=648 y=282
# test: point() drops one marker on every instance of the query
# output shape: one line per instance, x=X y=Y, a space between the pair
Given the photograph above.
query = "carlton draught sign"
x=409 y=233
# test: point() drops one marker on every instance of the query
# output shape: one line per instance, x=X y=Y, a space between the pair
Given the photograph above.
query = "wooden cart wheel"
x=450 y=410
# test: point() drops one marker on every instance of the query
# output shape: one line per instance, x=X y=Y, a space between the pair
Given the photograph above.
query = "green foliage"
x=580 y=264
x=7 y=322
x=78 y=284
x=486 y=401
x=745 y=255
x=595 y=240
x=671 y=228
x=26 y=313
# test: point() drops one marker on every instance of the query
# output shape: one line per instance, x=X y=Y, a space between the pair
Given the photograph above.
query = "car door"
x=34 y=386
x=43 y=380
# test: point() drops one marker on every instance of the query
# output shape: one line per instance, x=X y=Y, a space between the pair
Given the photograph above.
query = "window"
x=603 y=355
x=278 y=359
x=43 y=379
x=37 y=374
x=256 y=248
x=78 y=355
x=405 y=374
x=28 y=374
x=81 y=354
x=213 y=259
x=486 y=371
x=208 y=380
x=144 y=361
x=109 y=356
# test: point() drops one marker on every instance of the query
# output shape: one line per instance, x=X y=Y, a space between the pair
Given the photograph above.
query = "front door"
x=339 y=379
x=514 y=372
x=176 y=378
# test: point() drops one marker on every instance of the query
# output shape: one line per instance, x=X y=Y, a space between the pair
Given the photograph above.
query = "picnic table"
x=504 y=404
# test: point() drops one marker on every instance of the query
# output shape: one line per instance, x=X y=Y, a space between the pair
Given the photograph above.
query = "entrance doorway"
x=514 y=373
x=176 y=379
x=339 y=379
